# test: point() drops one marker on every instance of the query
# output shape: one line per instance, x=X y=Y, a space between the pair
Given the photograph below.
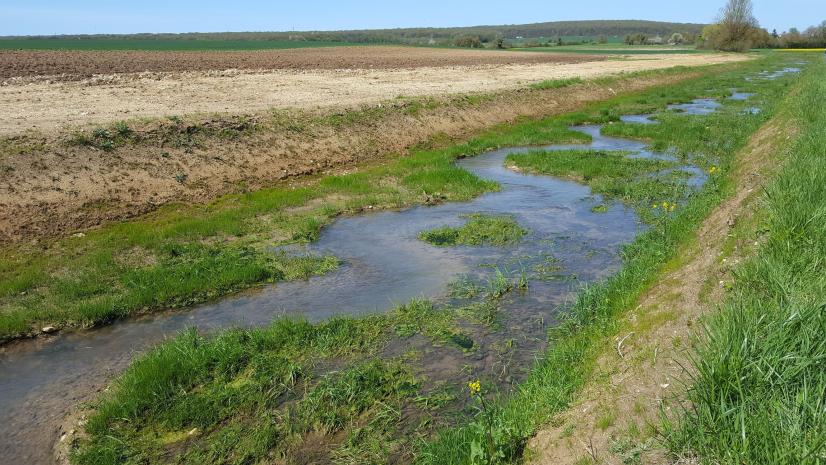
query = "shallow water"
x=772 y=75
x=384 y=265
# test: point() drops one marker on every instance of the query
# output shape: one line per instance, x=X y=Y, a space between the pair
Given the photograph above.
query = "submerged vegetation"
x=38 y=289
x=480 y=229
x=740 y=393
x=292 y=388
x=613 y=175
x=350 y=390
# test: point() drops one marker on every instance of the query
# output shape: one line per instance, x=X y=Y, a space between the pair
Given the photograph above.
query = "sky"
x=36 y=17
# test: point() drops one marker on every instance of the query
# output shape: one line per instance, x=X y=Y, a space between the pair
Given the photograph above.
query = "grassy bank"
x=180 y=254
x=576 y=342
x=337 y=391
x=759 y=383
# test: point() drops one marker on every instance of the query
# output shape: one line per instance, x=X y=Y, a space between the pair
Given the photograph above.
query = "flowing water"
x=385 y=264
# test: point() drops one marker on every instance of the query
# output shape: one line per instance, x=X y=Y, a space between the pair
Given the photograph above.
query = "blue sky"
x=25 y=17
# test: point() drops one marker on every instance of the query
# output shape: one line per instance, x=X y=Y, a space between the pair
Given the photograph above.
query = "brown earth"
x=56 y=65
x=50 y=188
x=643 y=371
x=43 y=105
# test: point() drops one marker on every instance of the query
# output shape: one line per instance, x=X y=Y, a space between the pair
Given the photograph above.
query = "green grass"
x=557 y=83
x=158 y=44
x=249 y=396
x=479 y=229
x=611 y=174
x=577 y=340
x=759 y=389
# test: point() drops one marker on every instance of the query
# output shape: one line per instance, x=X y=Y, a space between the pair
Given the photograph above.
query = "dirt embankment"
x=643 y=370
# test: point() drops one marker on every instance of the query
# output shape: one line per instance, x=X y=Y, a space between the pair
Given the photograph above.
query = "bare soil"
x=644 y=370
x=49 y=188
x=56 y=65
x=326 y=78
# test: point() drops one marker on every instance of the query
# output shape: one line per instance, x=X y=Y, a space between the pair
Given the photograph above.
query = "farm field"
x=76 y=65
x=159 y=44
x=166 y=85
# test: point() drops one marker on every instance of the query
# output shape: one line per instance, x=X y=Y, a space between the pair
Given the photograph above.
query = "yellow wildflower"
x=665 y=205
x=712 y=170
x=673 y=207
x=475 y=387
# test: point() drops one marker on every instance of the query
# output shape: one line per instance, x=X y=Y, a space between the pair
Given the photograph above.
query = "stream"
x=384 y=264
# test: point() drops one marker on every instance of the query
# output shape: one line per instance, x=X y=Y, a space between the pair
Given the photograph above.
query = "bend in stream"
x=385 y=264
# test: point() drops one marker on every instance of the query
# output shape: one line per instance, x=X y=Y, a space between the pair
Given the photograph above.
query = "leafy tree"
x=468 y=42
x=736 y=30
x=676 y=39
x=637 y=38
x=499 y=41
x=738 y=26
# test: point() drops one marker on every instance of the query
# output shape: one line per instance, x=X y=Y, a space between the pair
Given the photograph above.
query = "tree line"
x=737 y=30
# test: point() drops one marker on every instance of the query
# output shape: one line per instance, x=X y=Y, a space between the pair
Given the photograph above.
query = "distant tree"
x=815 y=36
x=775 y=35
x=792 y=39
x=736 y=30
x=602 y=39
x=499 y=41
x=737 y=26
x=468 y=42
x=637 y=38
x=676 y=39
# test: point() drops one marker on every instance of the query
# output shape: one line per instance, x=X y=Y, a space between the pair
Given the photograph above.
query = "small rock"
x=80 y=234
x=48 y=329
x=664 y=386
x=193 y=432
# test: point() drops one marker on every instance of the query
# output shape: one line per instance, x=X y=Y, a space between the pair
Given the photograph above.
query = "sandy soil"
x=46 y=105
x=643 y=370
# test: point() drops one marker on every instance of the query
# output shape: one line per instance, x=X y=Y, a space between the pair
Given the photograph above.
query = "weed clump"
x=479 y=230
x=556 y=83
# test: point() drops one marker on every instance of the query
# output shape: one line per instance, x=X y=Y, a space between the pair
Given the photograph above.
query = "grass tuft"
x=480 y=229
